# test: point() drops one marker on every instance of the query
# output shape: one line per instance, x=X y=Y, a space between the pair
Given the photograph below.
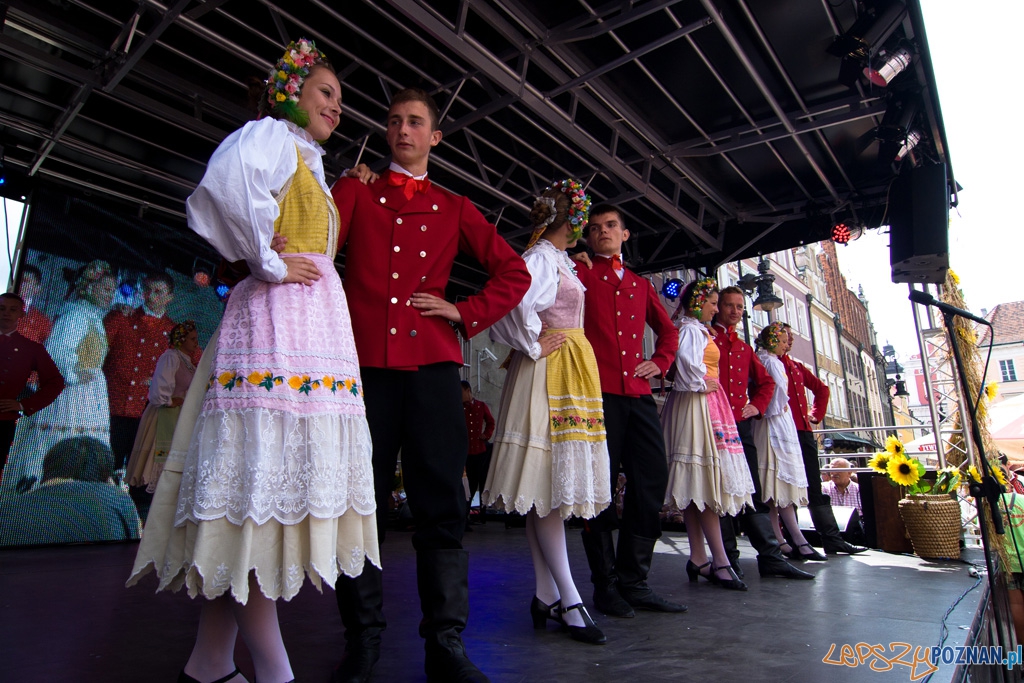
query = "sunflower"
x=999 y=474
x=903 y=470
x=894 y=446
x=991 y=390
x=973 y=471
x=879 y=462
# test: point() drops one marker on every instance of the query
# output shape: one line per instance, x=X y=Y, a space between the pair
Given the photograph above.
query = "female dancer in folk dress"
x=173 y=374
x=779 y=459
x=275 y=482
x=708 y=475
x=550 y=457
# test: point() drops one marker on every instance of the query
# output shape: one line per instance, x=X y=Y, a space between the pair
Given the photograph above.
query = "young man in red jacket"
x=619 y=305
x=819 y=505
x=403 y=234
x=749 y=388
x=19 y=358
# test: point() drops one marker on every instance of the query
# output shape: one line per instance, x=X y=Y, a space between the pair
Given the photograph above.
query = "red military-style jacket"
x=615 y=314
x=397 y=247
x=800 y=378
x=35 y=325
x=742 y=374
x=135 y=342
x=479 y=424
x=19 y=358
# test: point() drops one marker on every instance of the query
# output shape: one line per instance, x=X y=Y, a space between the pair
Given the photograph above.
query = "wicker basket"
x=933 y=524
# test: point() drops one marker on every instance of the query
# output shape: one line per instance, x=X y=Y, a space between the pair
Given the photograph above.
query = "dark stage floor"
x=66 y=616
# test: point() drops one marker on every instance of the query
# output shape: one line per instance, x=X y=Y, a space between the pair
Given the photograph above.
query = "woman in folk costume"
x=708 y=474
x=78 y=346
x=550 y=459
x=275 y=481
x=173 y=374
x=779 y=458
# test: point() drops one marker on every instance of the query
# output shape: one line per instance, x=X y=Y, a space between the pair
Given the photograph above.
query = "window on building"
x=791 y=310
x=1007 y=370
x=801 y=318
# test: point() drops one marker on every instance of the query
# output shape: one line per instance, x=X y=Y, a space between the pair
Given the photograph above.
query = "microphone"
x=921 y=297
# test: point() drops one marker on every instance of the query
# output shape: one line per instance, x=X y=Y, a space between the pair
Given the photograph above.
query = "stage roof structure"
x=722 y=128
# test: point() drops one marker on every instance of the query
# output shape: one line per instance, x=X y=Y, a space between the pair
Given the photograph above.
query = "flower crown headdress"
x=89 y=274
x=285 y=79
x=180 y=331
x=579 y=209
x=769 y=337
x=701 y=291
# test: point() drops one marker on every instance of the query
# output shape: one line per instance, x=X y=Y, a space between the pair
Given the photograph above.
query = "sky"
x=12 y=218
x=973 y=56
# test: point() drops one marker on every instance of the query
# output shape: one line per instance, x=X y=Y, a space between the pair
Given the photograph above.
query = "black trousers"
x=809 y=449
x=476 y=470
x=6 y=438
x=636 y=445
x=419 y=413
x=122 y=438
x=746 y=430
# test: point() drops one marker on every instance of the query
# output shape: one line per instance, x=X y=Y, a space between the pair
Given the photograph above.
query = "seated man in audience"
x=840 y=486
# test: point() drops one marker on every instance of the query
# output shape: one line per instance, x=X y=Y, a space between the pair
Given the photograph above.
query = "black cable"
x=943 y=628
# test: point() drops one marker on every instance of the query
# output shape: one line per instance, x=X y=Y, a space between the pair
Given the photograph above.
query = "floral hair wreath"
x=180 y=331
x=285 y=80
x=579 y=209
x=92 y=272
x=701 y=292
x=769 y=337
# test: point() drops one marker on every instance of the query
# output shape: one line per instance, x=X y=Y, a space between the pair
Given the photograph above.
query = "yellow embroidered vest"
x=308 y=218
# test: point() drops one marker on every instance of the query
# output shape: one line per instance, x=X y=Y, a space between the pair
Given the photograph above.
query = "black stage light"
x=672 y=288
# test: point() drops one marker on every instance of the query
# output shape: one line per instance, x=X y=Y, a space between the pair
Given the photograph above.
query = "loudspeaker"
x=919 y=225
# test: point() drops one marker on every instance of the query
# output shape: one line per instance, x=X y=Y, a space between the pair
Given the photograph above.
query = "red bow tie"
x=412 y=186
x=730 y=334
x=617 y=262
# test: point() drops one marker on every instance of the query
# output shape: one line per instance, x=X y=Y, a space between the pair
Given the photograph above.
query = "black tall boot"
x=728 y=526
x=770 y=561
x=825 y=523
x=600 y=549
x=443 y=580
x=633 y=564
x=361 y=603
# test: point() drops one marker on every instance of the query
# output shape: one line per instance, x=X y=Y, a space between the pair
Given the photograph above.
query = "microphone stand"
x=988 y=489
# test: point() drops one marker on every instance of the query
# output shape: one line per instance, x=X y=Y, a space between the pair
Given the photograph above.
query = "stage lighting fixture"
x=126 y=289
x=870 y=30
x=913 y=137
x=841 y=233
x=671 y=289
x=766 y=298
x=887 y=66
x=222 y=291
x=201 y=278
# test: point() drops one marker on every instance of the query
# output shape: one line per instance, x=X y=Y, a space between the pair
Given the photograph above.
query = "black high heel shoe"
x=792 y=553
x=185 y=678
x=541 y=612
x=813 y=555
x=734 y=583
x=589 y=632
x=694 y=570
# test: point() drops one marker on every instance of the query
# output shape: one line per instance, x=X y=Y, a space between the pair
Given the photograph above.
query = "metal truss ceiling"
x=720 y=128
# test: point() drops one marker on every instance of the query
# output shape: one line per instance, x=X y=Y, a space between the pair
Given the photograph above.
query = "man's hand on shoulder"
x=362 y=173
x=584 y=258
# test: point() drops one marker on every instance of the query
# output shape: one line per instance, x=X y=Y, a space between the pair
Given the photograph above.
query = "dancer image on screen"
x=403 y=235
x=78 y=346
x=779 y=462
x=21 y=358
x=708 y=475
x=619 y=305
x=137 y=338
x=550 y=457
x=171 y=379
x=35 y=324
x=275 y=483
x=749 y=389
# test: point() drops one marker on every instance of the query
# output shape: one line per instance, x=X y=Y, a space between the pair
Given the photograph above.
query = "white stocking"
x=551 y=539
x=213 y=655
x=546 y=590
x=788 y=515
x=258 y=624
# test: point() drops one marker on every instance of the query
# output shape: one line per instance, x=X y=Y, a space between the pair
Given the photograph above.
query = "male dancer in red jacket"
x=619 y=305
x=750 y=388
x=403 y=235
x=819 y=505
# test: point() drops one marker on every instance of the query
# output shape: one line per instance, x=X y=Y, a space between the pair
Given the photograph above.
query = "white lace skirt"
x=712 y=476
x=527 y=470
x=270 y=468
x=780 y=462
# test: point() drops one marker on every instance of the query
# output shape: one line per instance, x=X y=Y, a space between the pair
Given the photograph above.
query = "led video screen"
x=104 y=286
